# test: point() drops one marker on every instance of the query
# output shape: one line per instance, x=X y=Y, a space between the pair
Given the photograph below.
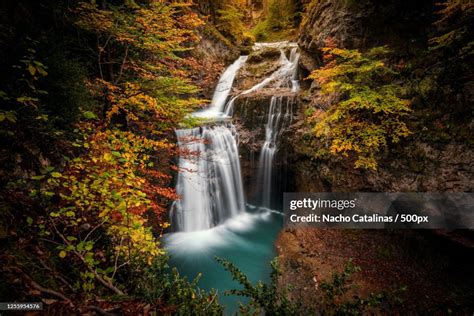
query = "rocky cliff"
x=430 y=159
x=437 y=156
x=250 y=119
x=251 y=113
x=362 y=24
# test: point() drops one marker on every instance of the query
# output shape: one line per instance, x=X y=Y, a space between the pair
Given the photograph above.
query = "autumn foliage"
x=94 y=210
x=365 y=109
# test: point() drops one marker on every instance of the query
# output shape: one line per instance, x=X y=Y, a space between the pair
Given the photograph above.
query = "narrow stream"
x=212 y=218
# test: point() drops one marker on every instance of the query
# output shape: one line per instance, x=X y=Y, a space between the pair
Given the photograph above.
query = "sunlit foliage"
x=365 y=111
x=280 y=19
x=230 y=22
x=110 y=186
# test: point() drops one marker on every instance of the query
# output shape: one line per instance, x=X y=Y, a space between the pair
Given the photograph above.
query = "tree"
x=365 y=110
x=230 y=22
x=93 y=208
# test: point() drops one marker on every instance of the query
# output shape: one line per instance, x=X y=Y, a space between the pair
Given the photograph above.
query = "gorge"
x=347 y=25
x=147 y=144
x=211 y=217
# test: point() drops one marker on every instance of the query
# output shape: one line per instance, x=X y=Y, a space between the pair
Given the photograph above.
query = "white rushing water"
x=210 y=183
x=284 y=77
x=278 y=119
x=211 y=217
x=222 y=91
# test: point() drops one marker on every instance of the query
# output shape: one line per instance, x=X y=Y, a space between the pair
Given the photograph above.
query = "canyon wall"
x=428 y=160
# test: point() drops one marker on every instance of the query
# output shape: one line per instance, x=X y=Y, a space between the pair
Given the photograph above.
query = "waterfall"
x=192 y=186
x=286 y=76
x=211 y=217
x=222 y=90
x=278 y=119
x=209 y=181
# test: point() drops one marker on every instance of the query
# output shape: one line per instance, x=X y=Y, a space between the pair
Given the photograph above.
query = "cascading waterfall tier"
x=210 y=186
x=222 y=91
x=279 y=117
x=210 y=182
x=286 y=76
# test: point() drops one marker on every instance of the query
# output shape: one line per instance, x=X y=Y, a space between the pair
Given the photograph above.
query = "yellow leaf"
x=62 y=254
x=107 y=157
x=32 y=69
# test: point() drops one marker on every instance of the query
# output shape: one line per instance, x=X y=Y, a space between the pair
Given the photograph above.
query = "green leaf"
x=9 y=116
x=90 y=115
x=29 y=220
x=49 y=169
x=107 y=157
x=4 y=96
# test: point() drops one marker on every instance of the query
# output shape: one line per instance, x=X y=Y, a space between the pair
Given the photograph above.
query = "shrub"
x=365 y=110
x=264 y=298
x=158 y=284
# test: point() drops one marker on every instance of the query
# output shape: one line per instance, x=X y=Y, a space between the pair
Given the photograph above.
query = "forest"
x=143 y=162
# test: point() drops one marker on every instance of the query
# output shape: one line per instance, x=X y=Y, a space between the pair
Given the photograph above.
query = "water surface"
x=246 y=240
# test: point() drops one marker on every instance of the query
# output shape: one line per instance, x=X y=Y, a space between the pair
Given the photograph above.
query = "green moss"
x=264 y=33
x=211 y=31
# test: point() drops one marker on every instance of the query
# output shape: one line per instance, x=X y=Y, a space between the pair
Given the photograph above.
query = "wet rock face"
x=264 y=101
x=259 y=65
x=364 y=24
x=266 y=54
x=250 y=119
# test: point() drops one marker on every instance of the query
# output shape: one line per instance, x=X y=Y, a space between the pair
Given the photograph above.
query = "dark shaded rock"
x=250 y=118
x=415 y=167
x=403 y=25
